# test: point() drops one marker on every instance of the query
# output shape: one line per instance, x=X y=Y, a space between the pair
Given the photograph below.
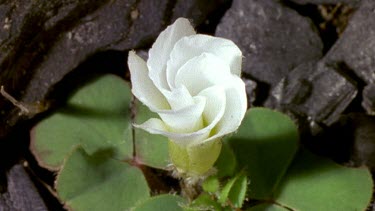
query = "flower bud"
x=194 y=160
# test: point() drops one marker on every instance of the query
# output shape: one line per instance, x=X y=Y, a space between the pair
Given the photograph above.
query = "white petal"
x=157 y=126
x=236 y=105
x=142 y=86
x=213 y=112
x=179 y=98
x=195 y=45
x=154 y=126
x=201 y=72
x=160 y=52
x=215 y=105
x=186 y=120
x=235 y=109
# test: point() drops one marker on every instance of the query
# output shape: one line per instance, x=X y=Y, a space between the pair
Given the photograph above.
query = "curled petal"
x=161 y=49
x=154 y=126
x=185 y=120
x=157 y=126
x=215 y=105
x=195 y=45
x=201 y=72
x=142 y=86
x=179 y=98
x=213 y=112
x=236 y=105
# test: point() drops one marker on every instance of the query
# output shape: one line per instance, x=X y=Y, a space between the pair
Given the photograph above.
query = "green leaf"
x=99 y=182
x=96 y=117
x=211 y=184
x=165 y=202
x=223 y=197
x=234 y=191
x=315 y=183
x=226 y=163
x=267 y=207
x=151 y=149
x=237 y=194
x=264 y=146
x=204 y=202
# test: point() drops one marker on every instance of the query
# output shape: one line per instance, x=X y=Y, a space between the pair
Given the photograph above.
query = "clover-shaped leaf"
x=96 y=117
x=151 y=149
x=99 y=182
x=264 y=147
x=95 y=120
x=315 y=183
x=267 y=207
x=164 y=202
x=204 y=201
x=226 y=163
x=90 y=142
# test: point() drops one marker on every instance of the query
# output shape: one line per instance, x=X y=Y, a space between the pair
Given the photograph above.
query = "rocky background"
x=312 y=59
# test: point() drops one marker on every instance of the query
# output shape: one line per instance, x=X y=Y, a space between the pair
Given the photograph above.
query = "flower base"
x=194 y=161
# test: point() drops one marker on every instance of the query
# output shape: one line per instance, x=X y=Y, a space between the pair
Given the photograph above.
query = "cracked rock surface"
x=356 y=47
x=42 y=41
x=20 y=194
x=352 y=2
x=316 y=91
x=274 y=39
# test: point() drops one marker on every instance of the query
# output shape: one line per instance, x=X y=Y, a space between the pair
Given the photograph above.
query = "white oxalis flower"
x=193 y=82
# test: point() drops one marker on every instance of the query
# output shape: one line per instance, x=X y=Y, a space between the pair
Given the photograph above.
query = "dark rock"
x=363 y=152
x=321 y=92
x=314 y=91
x=47 y=39
x=148 y=18
x=195 y=9
x=274 y=39
x=205 y=14
x=368 y=96
x=351 y=140
x=110 y=26
x=251 y=87
x=21 y=194
x=356 y=47
x=352 y=2
x=42 y=41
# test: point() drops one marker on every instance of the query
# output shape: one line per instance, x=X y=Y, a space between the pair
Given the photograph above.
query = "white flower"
x=193 y=83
